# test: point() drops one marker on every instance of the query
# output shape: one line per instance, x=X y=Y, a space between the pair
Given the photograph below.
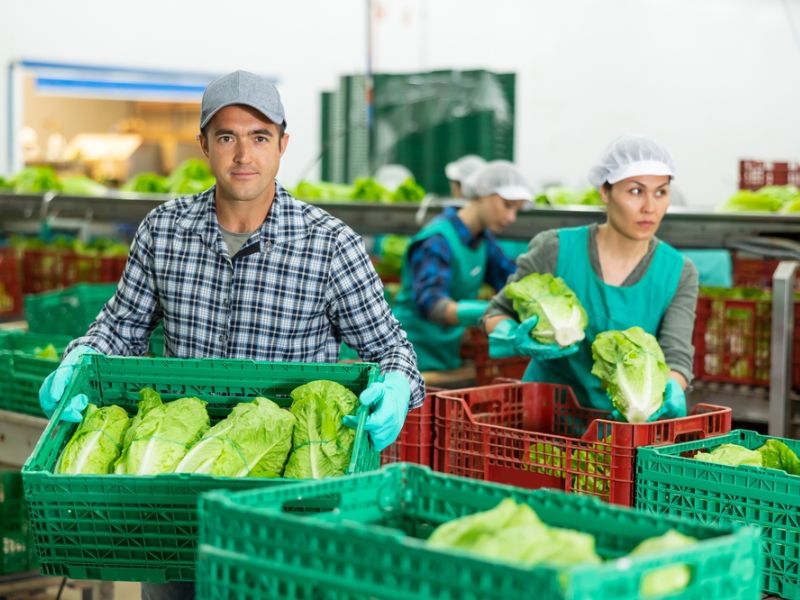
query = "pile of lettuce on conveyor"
x=514 y=533
x=783 y=199
x=363 y=189
x=562 y=318
x=631 y=367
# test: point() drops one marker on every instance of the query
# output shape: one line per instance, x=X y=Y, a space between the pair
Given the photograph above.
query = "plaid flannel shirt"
x=300 y=284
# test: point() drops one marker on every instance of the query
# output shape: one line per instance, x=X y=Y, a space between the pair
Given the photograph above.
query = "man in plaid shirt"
x=244 y=270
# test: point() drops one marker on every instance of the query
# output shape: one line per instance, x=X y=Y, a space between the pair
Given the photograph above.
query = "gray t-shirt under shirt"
x=234 y=241
x=675 y=334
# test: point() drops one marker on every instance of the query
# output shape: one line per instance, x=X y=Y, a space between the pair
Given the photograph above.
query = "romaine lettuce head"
x=160 y=434
x=322 y=444
x=96 y=443
x=630 y=364
x=666 y=580
x=254 y=439
x=732 y=455
x=562 y=318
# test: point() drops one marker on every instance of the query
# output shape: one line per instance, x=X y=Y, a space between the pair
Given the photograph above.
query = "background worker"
x=448 y=260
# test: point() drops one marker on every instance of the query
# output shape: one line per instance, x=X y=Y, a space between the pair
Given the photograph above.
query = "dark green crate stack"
x=669 y=481
x=23 y=371
x=144 y=528
x=363 y=537
x=420 y=120
x=69 y=311
x=18 y=554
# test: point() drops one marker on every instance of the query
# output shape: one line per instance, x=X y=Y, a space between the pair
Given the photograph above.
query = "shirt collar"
x=464 y=234
x=283 y=223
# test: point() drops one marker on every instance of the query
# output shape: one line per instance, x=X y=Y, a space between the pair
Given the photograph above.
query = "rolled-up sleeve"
x=364 y=319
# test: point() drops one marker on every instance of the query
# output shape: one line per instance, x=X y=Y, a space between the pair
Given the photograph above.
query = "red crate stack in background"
x=755 y=174
x=415 y=442
x=49 y=269
x=10 y=284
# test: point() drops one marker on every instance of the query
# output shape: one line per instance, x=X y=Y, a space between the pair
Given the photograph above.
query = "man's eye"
x=261 y=139
x=225 y=138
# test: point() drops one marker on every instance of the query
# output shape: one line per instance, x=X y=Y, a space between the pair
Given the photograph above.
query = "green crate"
x=69 y=311
x=18 y=554
x=362 y=537
x=669 y=482
x=24 y=372
x=143 y=528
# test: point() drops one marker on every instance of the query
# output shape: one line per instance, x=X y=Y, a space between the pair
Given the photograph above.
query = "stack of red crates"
x=415 y=442
x=732 y=336
x=10 y=284
x=755 y=174
x=49 y=269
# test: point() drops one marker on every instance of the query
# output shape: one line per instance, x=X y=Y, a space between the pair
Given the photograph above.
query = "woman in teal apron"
x=623 y=275
x=448 y=260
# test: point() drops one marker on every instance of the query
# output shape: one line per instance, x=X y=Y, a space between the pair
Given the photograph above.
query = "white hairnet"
x=460 y=169
x=497 y=177
x=628 y=156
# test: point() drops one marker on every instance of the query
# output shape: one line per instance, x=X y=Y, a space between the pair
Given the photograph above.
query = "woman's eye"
x=636 y=191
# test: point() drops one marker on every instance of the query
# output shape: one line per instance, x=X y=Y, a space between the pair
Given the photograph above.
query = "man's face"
x=637 y=205
x=498 y=213
x=244 y=151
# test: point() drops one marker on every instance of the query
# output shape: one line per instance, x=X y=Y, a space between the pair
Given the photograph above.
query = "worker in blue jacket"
x=448 y=260
x=620 y=271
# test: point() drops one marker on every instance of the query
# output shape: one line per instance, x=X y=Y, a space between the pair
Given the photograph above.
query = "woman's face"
x=636 y=205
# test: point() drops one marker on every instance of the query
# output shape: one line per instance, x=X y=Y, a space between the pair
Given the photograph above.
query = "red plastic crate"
x=50 y=269
x=415 y=442
x=537 y=435
x=755 y=272
x=475 y=347
x=755 y=174
x=732 y=341
x=10 y=284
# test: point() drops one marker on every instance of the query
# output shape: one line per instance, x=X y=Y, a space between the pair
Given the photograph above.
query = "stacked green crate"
x=18 y=554
x=25 y=360
x=144 y=528
x=419 y=120
x=364 y=537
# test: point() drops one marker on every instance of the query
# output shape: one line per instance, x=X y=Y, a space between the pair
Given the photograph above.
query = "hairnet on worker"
x=628 y=156
x=497 y=177
x=460 y=169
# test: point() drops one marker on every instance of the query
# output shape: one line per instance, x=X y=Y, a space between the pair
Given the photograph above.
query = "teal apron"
x=609 y=307
x=438 y=346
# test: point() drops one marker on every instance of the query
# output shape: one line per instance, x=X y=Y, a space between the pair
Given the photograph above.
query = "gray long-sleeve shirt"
x=675 y=333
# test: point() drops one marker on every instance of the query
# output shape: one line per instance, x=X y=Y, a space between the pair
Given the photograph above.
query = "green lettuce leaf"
x=254 y=439
x=322 y=444
x=630 y=364
x=666 y=580
x=732 y=455
x=562 y=318
x=96 y=443
x=777 y=455
x=160 y=434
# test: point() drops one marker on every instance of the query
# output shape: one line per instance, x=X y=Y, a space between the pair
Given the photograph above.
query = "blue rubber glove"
x=469 y=312
x=388 y=398
x=510 y=338
x=58 y=381
x=673 y=407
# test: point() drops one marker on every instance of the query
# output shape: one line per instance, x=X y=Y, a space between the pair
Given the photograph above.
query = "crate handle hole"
x=313 y=505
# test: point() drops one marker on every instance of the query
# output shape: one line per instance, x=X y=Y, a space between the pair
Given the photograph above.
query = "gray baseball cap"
x=242 y=87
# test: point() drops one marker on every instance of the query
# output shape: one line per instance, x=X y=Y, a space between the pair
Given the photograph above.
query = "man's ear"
x=283 y=142
x=203 y=143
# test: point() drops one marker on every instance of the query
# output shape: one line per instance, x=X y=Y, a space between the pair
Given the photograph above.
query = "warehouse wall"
x=715 y=80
